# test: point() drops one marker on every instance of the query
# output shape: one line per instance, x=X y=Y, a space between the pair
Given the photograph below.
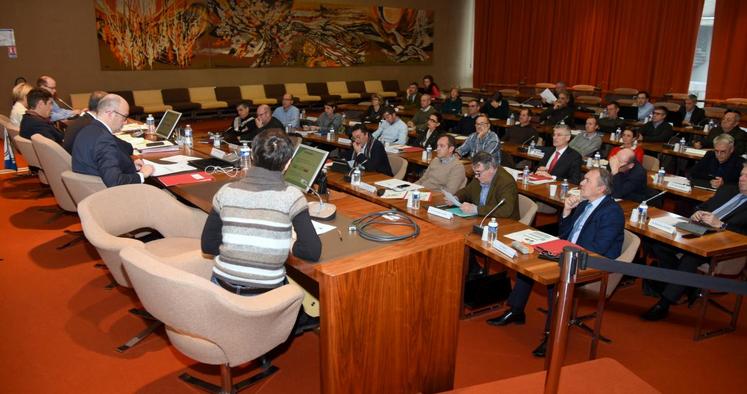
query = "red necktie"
x=554 y=161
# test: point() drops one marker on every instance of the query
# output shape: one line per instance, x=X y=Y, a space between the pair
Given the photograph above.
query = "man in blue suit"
x=593 y=221
x=96 y=151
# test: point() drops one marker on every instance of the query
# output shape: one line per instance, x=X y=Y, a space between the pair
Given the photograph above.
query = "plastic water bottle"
x=589 y=162
x=603 y=114
x=424 y=156
x=511 y=120
x=428 y=153
x=303 y=114
x=151 y=123
x=597 y=159
x=188 y=141
x=660 y=175
x=635 y=144
x=642 y=212
x=683 y=144
x=355 y=178
x=634 y=215
x=564 y=189
x=532 y=146
x=288 y=128
x=342 y=125
x=415 y=199
x=525 y=176
x=618 y=134
x=492 y=230
x=244 y=156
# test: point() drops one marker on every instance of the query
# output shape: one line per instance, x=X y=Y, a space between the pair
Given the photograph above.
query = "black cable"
x=374 y=218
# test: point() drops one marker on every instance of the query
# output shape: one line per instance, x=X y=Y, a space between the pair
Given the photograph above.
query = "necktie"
x=577 y=225
x=554 y=161
x=730 y=206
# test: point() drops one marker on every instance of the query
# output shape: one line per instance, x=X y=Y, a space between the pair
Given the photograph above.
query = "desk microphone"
x=523 y=146
x=63 y=102
x=321 y=210
x=647 y=200
x=350 y=173
x=477 y=229
x=671 y=141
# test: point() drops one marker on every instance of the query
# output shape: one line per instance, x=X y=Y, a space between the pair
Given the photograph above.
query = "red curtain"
x=726 y=72
x=643 y=44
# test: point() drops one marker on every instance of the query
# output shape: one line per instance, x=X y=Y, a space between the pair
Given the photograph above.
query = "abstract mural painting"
x=182 y=34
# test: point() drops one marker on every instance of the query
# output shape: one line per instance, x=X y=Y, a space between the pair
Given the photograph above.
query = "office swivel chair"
x=107 y=214
x=206 y=322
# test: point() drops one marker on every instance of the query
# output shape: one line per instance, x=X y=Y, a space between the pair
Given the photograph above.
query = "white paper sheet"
x=179 y=158
x=451 y=198
x=398 y=185
x=548 y=96
x=531 y=237
x=166 y=169
x=322 y=228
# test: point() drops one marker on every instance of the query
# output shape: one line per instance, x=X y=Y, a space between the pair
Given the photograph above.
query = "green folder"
x=458 y=212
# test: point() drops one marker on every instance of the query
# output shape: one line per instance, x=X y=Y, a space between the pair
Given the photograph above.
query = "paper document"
x=450 y=198
x=669 y=219
x=696 y=152
x=393 y=194
x=166 y=169
x=514 y=173
x=399 y=185
x=531 y=237
x=548 y=96
x=676 y=179
x=134 y=127
x=179 y=159
x=322 y=228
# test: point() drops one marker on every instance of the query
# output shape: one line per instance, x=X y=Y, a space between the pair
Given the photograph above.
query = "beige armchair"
x=206 y=322
x=81 y=186
x=398 y=165
x=108 y=213
x=27 y=151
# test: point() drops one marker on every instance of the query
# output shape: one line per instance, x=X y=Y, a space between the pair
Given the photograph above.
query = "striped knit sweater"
x=257 y=214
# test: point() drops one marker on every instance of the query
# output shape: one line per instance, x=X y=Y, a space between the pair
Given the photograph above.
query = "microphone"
x=350 y=173
x=321 y=210
x=647 y=200
x=477 y=229
x=63 y=102
x=523 y=146
x=671 y=141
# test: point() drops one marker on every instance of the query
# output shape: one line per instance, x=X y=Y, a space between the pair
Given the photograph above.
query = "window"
x=699 y=75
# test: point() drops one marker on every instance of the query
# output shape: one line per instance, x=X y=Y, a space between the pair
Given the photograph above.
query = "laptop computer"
x=305 y=166
x=168 y=123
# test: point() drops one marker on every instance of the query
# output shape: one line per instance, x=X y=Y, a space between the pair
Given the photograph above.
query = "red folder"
x=185 y=178
x=555 y=247
x=412 y=149
x=535 y=177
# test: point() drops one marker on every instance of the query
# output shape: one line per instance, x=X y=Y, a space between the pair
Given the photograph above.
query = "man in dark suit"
x=36 y=120
x=367 y=151
x=657 y=130
x=561 y=161
x=97 y=152
x=77 y=124
x=561 y=111
x=628 y=176
x=719 y=166
x=726 y=210
x=490 y=185
x=729 y=125
x=412 y=97
x=611 y=122
x=690 y=113
x=593 y=221
x=466 y=124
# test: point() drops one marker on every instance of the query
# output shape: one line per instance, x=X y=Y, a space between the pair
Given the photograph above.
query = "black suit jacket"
x=76 y=125
x=662 y=133
x=465 y=126
x=431 y=141
x=603 y=230
x=411 y=101
x=97 y=152
x=373 y=155
x=708 y=168
x=32 y=124
x=697 y=116
x=630 y=185
x=567 y=167
x=740 y=139
x=735 y=221
x=554 y=116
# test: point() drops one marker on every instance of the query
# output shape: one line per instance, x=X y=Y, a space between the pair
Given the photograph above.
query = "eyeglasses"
x=123 y=116
x=482 y=123
x=433 y=120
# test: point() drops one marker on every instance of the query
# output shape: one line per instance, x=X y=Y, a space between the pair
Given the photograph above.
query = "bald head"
x=625 y=156
x=264 y=114
x=113 y=111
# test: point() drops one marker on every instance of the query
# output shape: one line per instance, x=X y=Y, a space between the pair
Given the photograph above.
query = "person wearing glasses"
x=263 y=121
x=429 y=136
x=482 y=140
x=77 y=124
x=96 y=151
x=58 y=113
x=367 y=152
x=466 y=124
x=491 y=184
x=658 y=130
x=287 y=113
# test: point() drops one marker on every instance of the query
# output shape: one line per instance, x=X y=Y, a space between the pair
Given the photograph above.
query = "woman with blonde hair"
x=19 y=102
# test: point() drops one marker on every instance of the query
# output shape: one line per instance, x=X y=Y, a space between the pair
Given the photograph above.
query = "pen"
x=339 y=233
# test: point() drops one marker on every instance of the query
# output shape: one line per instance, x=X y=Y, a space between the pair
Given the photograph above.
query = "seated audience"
x=432 y=132
x=593 y=221
x=490 y=185
x=49 y=84
x=445 y=171
x=560 y=87
x=241 y=122
x=561 y=111
x=36 y=120
x=497 y=107
x=20 y=104
x=375 y=111
x=249 y=228
x=420 y=120
x=560 y=161
x=588 y=142
x=466 y=124
x=729 y=125
x=453 y=104
x=658 y=130
x=412 y=97
x=628 y=138
x=249 y=128
x=97 y=152
x=726 y=210
x=522 y=132
x=430 y=88
x=645 y=108
x=391 y=129
x=367 y=152
x=482 y=140
x=287 y=113
x=329 y=120
x=628 y=176
x=719 y=166
x=86 y=118
x=691 y=114
x=611 y=121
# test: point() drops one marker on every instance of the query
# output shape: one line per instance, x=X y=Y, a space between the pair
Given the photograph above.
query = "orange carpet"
x=60 y=328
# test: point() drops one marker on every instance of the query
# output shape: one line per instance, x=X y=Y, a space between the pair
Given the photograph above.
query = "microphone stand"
x=477 y=229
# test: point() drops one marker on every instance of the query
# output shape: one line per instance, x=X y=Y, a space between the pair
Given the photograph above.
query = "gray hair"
x=563 y=127
x=605 y=179
x=484 y=158
x=693 y=97
x=724 y=138
x=110 y=102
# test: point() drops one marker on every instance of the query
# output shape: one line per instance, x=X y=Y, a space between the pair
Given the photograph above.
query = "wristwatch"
x=723 y=226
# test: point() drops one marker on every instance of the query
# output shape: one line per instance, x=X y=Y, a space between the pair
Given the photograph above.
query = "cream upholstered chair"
x=53 y=160
x=256 y=94
x=509 y=93
x=541 y=86
x=205 y=96
x=26 y=148
x=398 y=165
x=79 y=100
x=150 y=100
x=527 y=210
x=108 y=213
x=340 y=88
x=736 y=101
x=206 y=322
x=714 y=112
x=300 y=92
x=81 y=186
x=650 y=163
x=10 y=128
x=378 y=88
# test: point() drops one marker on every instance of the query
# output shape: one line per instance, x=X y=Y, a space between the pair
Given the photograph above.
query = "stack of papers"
x=398 y=185
x=166 y=169
x=129 y=127
x=531 y=237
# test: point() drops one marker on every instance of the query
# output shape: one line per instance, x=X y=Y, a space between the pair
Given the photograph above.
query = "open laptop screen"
x=167 y=124
x=304 y=167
